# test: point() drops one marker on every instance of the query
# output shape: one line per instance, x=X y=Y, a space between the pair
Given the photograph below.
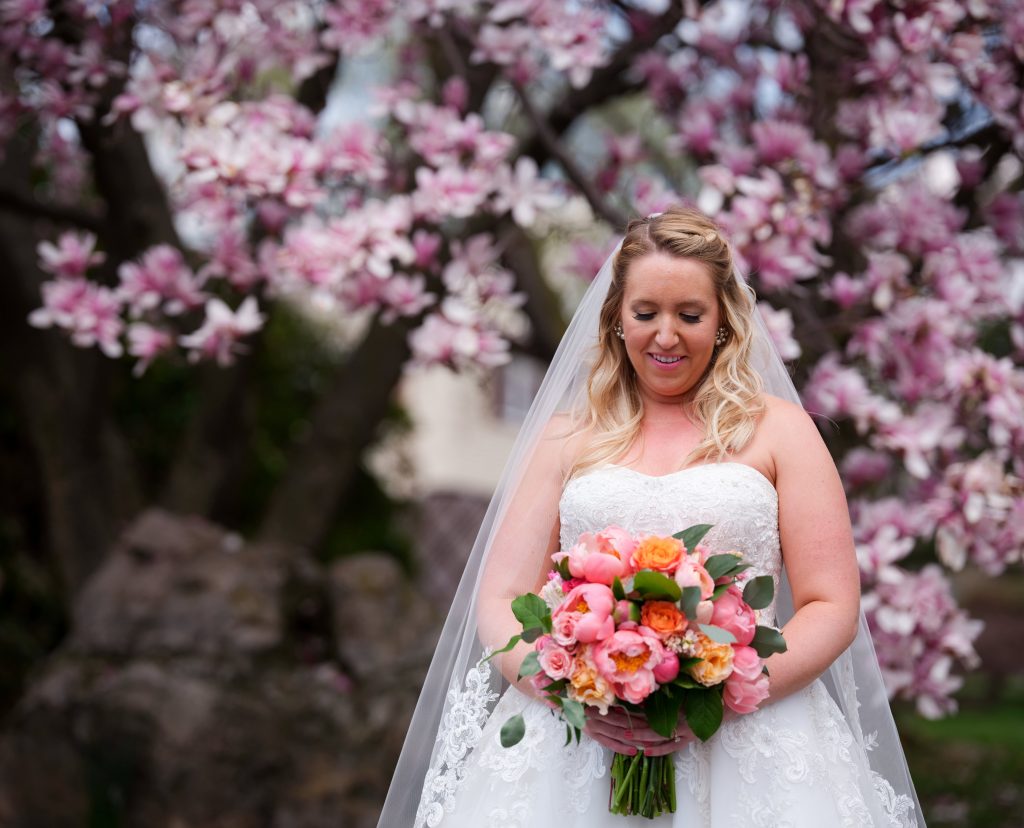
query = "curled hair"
x=727 y=400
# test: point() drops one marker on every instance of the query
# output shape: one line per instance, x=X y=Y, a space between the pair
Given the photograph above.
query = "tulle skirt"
x=793 y=763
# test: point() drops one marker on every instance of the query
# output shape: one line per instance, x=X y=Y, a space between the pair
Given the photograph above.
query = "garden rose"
x=716 y=662
x=659 y=554
x=663 y=617
x=563 y=628
x=556 y=661
x=587 y=686
x=732 y=614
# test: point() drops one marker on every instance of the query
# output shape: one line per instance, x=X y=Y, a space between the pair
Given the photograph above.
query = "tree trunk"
x=323 y=463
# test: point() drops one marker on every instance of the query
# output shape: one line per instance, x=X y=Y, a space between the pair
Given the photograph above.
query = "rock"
x=209 y=682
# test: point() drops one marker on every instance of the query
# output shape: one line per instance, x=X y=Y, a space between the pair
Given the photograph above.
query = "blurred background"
x=280 y=280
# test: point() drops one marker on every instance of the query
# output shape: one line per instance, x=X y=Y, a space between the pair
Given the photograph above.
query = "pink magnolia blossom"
x=220 y=334
x=71 y=257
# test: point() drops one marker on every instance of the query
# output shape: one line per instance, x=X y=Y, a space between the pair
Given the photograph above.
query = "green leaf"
x=531 y=611
x=532 y=634
x=556 y=686
x=656 y=585
x=530 y=665
x=718 y=634
x=691 y=597
x=617 y=589
x=759 y=591
x=683 y=680
x=767 y=641
x=720 y=565
x=562 y=567
x=573 y=713
x=704 y=712
x=511 y=643
x=512 y=731
x=693 y=535
x=662 y=711
x=719 y=591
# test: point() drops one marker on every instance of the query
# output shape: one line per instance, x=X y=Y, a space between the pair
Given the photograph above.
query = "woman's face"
x=669 y=318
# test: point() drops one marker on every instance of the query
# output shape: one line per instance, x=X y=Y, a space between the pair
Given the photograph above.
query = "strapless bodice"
x=739 y=501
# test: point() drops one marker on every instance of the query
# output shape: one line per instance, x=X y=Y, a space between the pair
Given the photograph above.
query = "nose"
x=667 y=336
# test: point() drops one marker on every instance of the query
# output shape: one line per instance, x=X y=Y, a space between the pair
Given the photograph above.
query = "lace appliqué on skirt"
x=459 y=733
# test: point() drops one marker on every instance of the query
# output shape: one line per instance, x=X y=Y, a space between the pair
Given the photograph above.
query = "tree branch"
x=25 y=205
x=555 y=150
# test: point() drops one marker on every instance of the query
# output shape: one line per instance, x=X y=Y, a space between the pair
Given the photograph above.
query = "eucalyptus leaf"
x=758 y=592
x=691 y=597
x=720 y=565
x=767 y=641
x=693 y=535
x=656 y=585
x=718 y=634
x=512 y=731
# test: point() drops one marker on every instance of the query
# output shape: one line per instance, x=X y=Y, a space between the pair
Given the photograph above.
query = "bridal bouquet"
x=656 y=625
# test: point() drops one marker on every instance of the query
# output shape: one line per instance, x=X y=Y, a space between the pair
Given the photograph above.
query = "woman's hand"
x=624 y=732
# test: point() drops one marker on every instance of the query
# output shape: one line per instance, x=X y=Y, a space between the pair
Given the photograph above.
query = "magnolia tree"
x=864 y=157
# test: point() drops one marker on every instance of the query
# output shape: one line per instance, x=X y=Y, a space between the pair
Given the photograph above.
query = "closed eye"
x=690 y=318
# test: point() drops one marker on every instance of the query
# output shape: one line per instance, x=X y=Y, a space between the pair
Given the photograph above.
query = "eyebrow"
x=689 y=303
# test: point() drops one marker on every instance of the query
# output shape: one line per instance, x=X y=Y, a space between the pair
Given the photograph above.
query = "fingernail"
x=628 y=734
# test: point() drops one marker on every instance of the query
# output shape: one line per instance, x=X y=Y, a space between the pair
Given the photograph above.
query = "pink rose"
x=563 y=628
x=692 y=573
x=744 y=696
x=556 y=662
x=733 y=614
x=668 y=669
x=593 y=603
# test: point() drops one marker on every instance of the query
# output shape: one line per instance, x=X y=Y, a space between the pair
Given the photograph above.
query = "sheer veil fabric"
x=459 y=693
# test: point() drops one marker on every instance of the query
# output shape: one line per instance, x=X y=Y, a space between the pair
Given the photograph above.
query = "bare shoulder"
x=561 y=440
x=793 y=439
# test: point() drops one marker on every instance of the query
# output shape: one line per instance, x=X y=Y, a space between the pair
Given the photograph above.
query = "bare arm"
x=520 y=554
x=818 y=550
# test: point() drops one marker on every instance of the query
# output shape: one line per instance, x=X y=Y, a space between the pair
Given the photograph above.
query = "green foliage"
x=654 y=586
x=512 y=731
x=704 y=711
x=759 y=591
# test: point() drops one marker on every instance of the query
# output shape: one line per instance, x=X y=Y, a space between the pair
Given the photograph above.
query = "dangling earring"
x=721 y=336
x=618 y=330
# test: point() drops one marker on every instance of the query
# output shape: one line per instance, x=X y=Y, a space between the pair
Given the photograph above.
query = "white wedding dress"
x=793 y=763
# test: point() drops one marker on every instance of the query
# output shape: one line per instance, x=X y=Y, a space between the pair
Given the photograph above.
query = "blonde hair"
x=728 y=398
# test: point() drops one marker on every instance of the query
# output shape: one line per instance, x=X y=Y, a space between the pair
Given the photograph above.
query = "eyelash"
x=647 y=317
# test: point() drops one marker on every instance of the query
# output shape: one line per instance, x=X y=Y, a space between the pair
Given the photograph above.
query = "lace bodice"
x=737 y=499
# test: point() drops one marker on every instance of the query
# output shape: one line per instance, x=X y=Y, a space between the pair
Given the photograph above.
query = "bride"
x=666 y=405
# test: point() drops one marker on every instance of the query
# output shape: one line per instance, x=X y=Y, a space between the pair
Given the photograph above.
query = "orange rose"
x=663 y=617
x=716 y=665
x=659 y=554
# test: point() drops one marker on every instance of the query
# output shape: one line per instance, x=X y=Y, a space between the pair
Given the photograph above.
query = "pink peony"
x=626 y=659
x=746 y=663
x=733 y=614
x=601 y=557
x=691 y=573
x=744 y=696
x=590 y=607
